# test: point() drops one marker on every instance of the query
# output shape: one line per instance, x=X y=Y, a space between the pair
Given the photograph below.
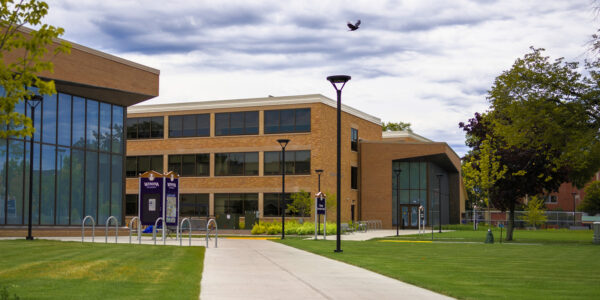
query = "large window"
x=136 y=165
x=193 y=205
x=77 y=164
x=236 y=164
x=296 y=162
x=190 y=164
x=131 y=204
x=287 y=120
x=412 y=185
x=236 y=123
x=189 y=125
x=235 y=203
x=354 y=139
x=272 y=204
x=145 y=128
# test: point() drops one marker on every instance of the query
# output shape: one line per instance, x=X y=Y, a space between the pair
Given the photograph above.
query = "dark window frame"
x=354 y=178
x=229 y=167
x=196 y=162
x=290 y=159
x=135 y=121
x=297 y=128
x=247 y=129
x=354 y=139
x=138 y=171
x=179 y=132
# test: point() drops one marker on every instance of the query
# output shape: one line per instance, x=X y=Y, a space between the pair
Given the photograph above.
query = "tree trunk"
x=511 y=222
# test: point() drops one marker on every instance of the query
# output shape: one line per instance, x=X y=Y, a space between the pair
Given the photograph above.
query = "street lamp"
x=319 y=172
x=335 y=80
x=574 y=195
x=283 y=143
x=397 y=172
x=439 y=176
x=33 y=103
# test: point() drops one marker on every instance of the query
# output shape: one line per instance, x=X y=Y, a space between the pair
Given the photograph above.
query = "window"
x=189 y=125
x=135 y=165
x=354 y=139
x=551 y=199
x=145 y=128
x=296 y=162
x=236 y=123
x=271 y=204
x=190 y=164
x=236 y=164
x=287 y=120
x=131 y=205
x=235 y=203
x=193 y=205
x=354 y=178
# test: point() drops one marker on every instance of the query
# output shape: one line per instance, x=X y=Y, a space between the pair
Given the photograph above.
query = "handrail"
x=116 y=229
x=163 y=230
x=181 y=229
x=216 y=232
x=83 y=227
x=139 y=230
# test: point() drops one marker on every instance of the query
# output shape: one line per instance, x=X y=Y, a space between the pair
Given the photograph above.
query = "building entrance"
x=410 y=216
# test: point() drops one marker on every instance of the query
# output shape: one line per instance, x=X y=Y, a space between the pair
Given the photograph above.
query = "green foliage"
x=301 y=203
x=4 y=295
x=534 y=212
x=291 y=227
x=19 y=73
x=591 y=201
x=400 y=126
x=482 y=171
x=330 y=200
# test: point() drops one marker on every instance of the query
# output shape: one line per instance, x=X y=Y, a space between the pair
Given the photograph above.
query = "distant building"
x=230 y=162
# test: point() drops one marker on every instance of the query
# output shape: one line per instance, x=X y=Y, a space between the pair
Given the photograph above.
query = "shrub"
x=291 y=227
x=591 y=201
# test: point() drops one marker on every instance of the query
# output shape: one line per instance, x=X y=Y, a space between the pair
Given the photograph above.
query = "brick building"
x=229 y=158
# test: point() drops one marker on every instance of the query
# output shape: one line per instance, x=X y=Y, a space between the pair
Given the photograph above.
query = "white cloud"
x=429 y=63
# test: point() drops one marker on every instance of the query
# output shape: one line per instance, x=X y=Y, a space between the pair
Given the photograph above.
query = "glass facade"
x=287 y=120
x=235 y=203
x=296 y=162
x=189 y=125
x=190 y=164
x=236 y=164
x=77 y=164
x=236 y=123
x=193 y=205
x=272 y=204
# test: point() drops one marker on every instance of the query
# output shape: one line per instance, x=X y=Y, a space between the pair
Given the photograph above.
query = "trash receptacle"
x=596 y=233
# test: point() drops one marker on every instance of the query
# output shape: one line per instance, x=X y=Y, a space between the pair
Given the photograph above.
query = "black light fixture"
x=319 y=172
x=397 y=172
x=335 y=81
x=283 y=143
x=33 y=102
x=439 y=176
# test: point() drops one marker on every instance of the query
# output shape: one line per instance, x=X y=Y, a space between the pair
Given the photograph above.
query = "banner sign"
x=172 y=200
x=150 y=199
x=320 y=206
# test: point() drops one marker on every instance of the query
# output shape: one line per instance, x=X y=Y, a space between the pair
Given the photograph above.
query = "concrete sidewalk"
x=260 y=269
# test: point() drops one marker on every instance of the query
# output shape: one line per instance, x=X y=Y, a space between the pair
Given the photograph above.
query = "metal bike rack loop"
x=216 y=232
x=83 y=227
x=163 y=230
x=139 y=230
x=180 y=231
x=116 y=229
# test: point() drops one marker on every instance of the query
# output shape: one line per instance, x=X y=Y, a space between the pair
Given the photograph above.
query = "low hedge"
x=291 y=227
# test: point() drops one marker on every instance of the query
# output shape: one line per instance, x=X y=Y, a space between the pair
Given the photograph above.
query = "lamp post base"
x=29 y=238
x=338 y=251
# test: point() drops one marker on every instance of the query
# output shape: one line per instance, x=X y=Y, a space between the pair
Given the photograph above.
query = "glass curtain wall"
x=410 y=187
x=77 y=165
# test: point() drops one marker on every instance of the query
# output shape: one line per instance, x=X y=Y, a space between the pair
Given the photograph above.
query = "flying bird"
x=353 y=26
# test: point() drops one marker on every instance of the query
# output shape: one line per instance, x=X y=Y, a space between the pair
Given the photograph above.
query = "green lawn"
x=559 y=265
x=44 y=269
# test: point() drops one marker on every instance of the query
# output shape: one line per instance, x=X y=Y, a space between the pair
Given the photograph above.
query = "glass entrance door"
x=410 y=216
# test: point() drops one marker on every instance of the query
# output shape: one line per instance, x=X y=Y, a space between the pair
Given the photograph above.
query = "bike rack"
x=139 y=230
x=163 y=230
x=216 y=232
x=83 y=228
x=181 y=229
x=116 y=229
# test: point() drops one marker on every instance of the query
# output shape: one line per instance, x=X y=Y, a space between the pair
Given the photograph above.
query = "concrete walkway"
x=260 y=269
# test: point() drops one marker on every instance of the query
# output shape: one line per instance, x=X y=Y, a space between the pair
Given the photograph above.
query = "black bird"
x=353 y=26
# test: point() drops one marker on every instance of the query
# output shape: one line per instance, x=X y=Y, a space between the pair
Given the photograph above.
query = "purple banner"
x=150 y=200
x=172 y=201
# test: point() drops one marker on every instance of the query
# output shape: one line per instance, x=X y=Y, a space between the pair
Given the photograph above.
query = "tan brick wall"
x=321 y=141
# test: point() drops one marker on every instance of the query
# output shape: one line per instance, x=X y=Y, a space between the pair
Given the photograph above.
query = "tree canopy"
x=18 y=75
x=399 y=126
x=591 y=201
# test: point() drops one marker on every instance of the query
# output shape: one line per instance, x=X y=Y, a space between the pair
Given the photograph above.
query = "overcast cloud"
x=429 y=63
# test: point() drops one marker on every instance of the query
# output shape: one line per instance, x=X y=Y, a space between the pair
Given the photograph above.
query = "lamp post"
x=439 y=176
x=574 y=195
x=397 y=172
x=335 y=80
x=319 y=172
x=283 y=143
x=33 y=103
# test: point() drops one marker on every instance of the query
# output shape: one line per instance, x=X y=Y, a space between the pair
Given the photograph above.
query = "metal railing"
x=180 y=231
x=208 y=232
x=83 y=227
x=164 y=227
x=139 y=229
x=116 y=229
x=557 y=219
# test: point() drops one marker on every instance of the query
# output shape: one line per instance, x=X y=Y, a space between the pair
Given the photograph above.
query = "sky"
x=429 y=63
